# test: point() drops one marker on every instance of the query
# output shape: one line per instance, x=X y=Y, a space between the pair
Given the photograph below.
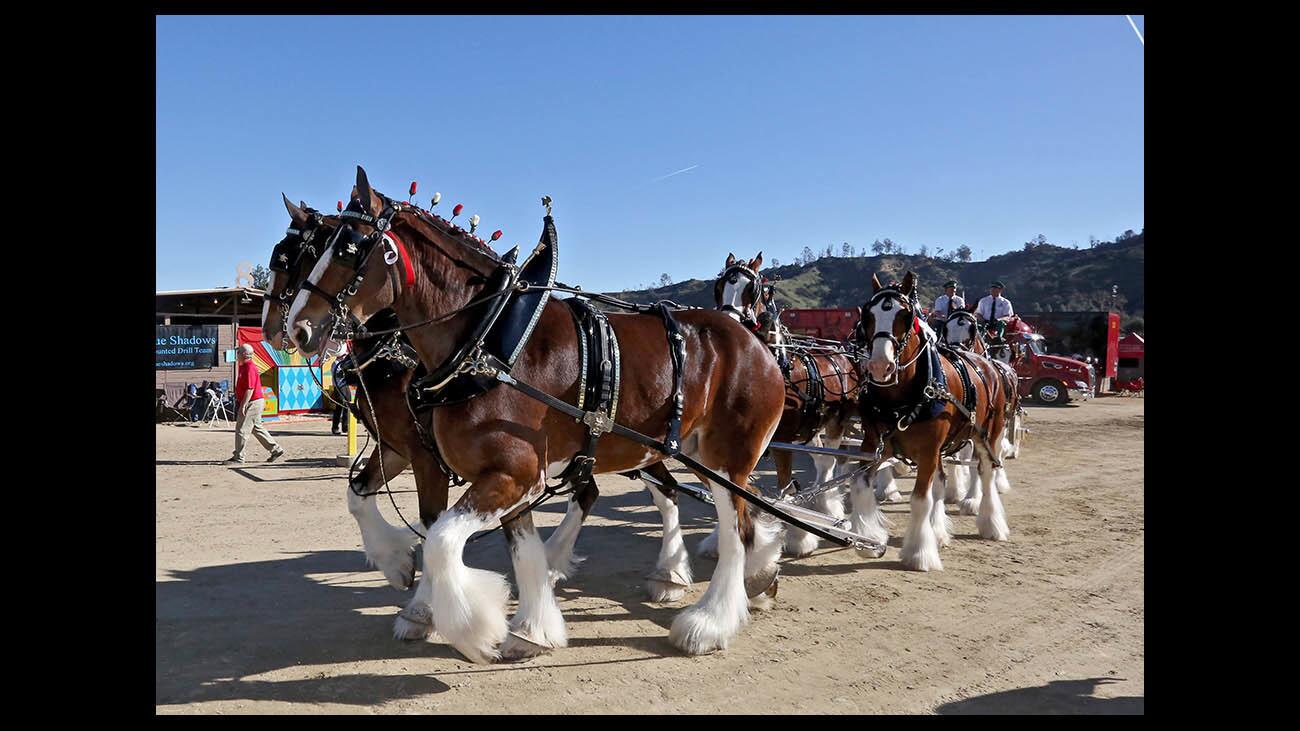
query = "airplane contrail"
x=1135 y=30
x=679 y=172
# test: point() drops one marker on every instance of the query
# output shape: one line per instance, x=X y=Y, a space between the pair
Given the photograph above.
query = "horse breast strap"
x=599 y=373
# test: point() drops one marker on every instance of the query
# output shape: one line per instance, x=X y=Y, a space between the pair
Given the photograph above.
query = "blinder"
x=908 y=305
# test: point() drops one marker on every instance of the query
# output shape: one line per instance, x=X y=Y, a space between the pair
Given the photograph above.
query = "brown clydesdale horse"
x=815 y=412
x=897 y=405
x=506 y=444
x=391 y=548
x=962 y=330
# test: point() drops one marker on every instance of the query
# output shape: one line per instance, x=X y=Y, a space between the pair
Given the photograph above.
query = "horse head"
x=291 y=260
x=738 y=289
x=889 y=331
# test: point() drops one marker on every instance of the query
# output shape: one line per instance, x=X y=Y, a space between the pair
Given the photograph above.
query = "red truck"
x=1077 y=336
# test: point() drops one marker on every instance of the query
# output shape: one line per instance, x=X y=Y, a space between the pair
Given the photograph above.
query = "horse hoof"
x=663 y=591
x=763 y=581
x=872 y=551
x=517 y=649
x=414 y=623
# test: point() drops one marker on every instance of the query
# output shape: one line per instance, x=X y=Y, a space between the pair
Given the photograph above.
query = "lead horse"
x=380 y=370
x=917 y=404
x=507 y=444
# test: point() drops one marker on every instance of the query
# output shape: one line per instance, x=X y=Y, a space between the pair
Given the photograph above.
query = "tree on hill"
x=878 y=247
x=846 y=250
x=807 y=257
x=261 y=277
x=963 y=253
x=665 y=280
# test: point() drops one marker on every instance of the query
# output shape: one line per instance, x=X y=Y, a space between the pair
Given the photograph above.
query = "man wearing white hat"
x=248 y=409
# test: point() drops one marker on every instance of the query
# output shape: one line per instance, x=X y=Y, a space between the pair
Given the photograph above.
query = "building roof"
x=218 y=290
x=207 y=306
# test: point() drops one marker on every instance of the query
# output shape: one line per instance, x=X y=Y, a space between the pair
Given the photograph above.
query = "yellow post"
x=352 y=435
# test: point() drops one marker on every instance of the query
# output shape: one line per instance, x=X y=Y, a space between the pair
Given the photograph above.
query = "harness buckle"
x=597 y=422
x=381 y=224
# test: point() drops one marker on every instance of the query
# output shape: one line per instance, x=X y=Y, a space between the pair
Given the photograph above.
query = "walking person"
x=248 y=409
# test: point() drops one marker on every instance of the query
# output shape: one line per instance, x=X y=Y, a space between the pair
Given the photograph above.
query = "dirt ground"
x=265 y=604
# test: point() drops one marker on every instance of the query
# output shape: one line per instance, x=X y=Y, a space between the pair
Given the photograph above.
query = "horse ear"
x=363 y=193
x=757 y=263
x=296 y=213
x=731 y=259
x=909 y=284
x=875 y=284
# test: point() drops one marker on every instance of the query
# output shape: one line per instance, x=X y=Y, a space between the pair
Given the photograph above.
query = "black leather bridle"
x=751 y=292
x=299 y=246
x=908 y=305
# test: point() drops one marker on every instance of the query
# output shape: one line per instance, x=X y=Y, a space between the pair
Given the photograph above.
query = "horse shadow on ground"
x=1058 y=696
x=217 y=628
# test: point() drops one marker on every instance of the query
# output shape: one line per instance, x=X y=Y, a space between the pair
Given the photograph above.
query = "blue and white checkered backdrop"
x=298 y=390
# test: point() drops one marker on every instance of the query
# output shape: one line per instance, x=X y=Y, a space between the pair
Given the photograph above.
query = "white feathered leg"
x=884 y=484
x=867 y=519
x=537 y=625
x=560 y=558
x=708 y=548
x=672 y=574
x=939 y=520
x=761 y=567
x=800 y=543
x=468 y=604
x=992 y=521
x=920 y=550
x=712 y=622
x=1000 y=479
x=388 y=547
x=970 y=504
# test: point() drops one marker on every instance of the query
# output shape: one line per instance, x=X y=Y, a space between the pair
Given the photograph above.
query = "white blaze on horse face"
x=300 y=301
x=733 y=294
x=881 y=363
x=958 y=334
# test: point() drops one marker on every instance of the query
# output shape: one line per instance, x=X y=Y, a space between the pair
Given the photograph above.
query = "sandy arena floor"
x=265 y=604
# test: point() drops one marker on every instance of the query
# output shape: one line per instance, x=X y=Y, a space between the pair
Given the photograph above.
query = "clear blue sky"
x=931 y=130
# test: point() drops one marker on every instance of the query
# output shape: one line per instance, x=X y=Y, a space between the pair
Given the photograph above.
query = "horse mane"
x=452 y=232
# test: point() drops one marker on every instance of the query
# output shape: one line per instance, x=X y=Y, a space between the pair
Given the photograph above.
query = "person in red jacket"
x=248 y=409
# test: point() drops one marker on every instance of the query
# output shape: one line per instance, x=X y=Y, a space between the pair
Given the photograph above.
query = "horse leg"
x=883 y=483
x=867 y=520
x=467 y=606
x=672 y=574
x=710 y=623
x=1000 y=479
x=970 y=504
x=920 y=550
x=799 y=543
x=388 y=547
x=939 y=519
x=537 y=625
x=559 y=546
x=992 y=521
